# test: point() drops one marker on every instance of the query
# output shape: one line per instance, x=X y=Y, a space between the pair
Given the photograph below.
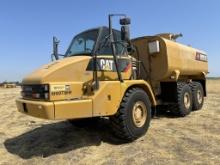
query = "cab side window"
x=120 y=49
x=105 y=43
x=105 y=40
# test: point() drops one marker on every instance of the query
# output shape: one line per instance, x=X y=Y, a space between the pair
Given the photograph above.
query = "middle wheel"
x=183 y=106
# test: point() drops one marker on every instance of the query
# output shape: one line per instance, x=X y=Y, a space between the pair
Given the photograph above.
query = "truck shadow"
x=163 y=112
x=61 y=137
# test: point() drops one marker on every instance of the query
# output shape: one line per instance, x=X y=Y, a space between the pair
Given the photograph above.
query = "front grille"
x=35 y=91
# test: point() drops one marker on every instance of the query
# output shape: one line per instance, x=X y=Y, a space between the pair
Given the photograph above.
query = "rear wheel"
x=197 y=95
x=133 y=117
x=184 y=100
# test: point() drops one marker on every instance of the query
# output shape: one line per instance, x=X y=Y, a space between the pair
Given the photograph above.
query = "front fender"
x=126 y=85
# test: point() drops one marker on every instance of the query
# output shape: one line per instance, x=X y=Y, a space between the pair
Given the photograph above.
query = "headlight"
x=46 y=96
x=35 y=91
x=46 y=87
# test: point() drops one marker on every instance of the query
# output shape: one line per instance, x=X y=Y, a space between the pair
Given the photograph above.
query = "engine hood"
x=71 y=69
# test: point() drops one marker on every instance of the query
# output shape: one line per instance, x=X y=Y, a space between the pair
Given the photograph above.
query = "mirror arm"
x=113 y=44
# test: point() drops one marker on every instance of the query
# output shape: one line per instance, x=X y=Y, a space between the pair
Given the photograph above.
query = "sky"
x=27 y=27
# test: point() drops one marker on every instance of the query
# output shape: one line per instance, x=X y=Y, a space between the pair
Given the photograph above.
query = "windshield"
x=83 y=43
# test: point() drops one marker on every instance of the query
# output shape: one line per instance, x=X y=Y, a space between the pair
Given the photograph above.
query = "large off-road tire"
x=84 y=122
x=183 y=106
x=197 y=95
x=133 y=117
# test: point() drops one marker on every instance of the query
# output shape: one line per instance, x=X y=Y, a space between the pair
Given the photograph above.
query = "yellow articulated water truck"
x=104 y=73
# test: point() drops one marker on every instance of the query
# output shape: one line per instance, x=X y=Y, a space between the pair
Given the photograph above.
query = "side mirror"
x=125 y=21
x=125 y=33
x=55 y=47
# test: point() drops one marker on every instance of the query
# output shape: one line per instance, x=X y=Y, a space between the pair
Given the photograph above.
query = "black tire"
x=198 y=101
x=122 y=122
x=182 y=109
x=84 y=122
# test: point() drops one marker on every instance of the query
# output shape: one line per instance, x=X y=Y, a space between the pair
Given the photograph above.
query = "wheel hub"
x=187 y=101
x=199 y=96
x=139 y=114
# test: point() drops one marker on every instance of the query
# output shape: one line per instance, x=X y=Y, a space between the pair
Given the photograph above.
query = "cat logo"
x=106 y=64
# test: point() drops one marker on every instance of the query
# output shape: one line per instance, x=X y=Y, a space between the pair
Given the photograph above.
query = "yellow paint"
x=40 y=109
x=72 y=109
x=172 y=57
x=106 y=100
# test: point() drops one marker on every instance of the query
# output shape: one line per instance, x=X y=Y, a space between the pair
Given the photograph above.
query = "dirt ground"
x=194 y=139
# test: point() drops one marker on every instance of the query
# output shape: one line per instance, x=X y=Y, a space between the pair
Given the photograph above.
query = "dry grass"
x=194 y=139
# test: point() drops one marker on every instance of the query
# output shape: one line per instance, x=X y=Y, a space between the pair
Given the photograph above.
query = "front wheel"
x=133 y=117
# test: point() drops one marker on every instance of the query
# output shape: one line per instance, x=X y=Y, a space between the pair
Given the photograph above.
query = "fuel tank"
x=163 y=59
